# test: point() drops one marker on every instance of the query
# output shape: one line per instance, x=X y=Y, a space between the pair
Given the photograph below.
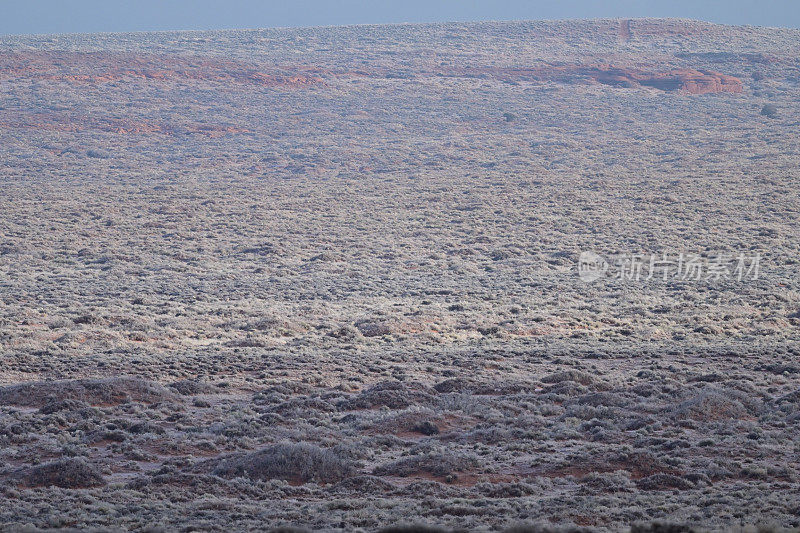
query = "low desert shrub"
x=770 y=111
x=435 y=464
x=105 y=391
x=73 y=473
x=300 y=462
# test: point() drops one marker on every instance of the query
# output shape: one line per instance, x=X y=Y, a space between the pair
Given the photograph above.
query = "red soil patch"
x=460 y=479
x=586 y=521
x=107 y=67
x=640 y=465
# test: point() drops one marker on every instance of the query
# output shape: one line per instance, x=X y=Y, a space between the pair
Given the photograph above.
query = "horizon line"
x=376 y=24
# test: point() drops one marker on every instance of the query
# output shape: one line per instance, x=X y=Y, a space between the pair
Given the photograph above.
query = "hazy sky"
x=69 y=16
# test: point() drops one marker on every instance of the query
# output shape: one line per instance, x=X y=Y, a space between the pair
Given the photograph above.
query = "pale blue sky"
x=70 y=16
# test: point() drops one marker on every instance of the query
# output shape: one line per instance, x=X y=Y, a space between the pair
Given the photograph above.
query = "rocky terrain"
x=327 y=278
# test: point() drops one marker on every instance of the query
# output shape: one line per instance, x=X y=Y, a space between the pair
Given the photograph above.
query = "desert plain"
x=327 y=278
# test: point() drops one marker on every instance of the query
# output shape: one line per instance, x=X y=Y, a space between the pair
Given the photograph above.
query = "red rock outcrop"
x=685 y=80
